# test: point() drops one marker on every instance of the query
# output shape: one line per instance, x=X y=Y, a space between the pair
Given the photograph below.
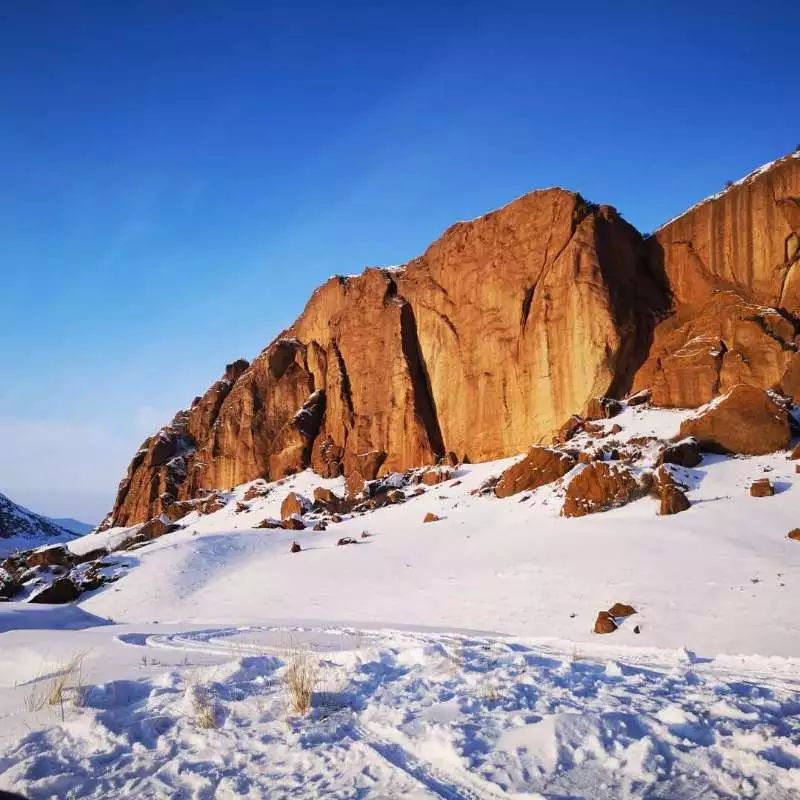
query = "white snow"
x=456 y=658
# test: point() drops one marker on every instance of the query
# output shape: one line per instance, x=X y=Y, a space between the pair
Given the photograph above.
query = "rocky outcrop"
x=744 y=420
x=733 y=267
x=462 y=350
x=599 y=486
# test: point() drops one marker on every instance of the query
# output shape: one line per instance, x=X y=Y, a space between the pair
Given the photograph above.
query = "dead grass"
x=62 y=685
x=204 y=709
x=300 y=679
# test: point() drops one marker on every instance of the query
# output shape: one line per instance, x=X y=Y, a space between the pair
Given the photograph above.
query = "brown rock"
x=685 y=453
x=640 y=398
x=179 y=509
x=573 y=425
x=293 y=504
x=155 y=528
x=293 y=524
x=603 y=408
x=744 y=420
x=621 y=610
x=269 y=523
x=254 y=491
x=54 y=555
x=795 y=452
x=762 y=487
x=345 y=540
x=599 y=486
x=540 y=466
x=794 y=534
x=435 y=476
x=604 y=623
x=326 y=497
x=726 y=342
x=451 y=459
x=431 y=517
x=60 y=591
x=673 y=501
x=320 y=526
x=395 y=496
x=212 y=504
x=295 y=548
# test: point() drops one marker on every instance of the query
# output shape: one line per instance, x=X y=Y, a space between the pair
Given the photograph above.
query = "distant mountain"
x=72 y=525
x=22 y=528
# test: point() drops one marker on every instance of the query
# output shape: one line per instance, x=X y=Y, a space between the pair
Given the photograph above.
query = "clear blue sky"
x=176 y=177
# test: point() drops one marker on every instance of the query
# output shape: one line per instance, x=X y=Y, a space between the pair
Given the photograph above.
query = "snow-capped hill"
x=72 y=525
x=21 y=528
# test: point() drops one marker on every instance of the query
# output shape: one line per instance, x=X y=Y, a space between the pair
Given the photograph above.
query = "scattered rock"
x=62 y=590
x=619 y=610
x=269 y=523
x=241 y=507
x=603 y=408
x=604 y=623
x=295 y=548
x=179 y=509
x=435 y=476
x=293 y=504
x=637 y=629
x=320 y=526
x=744 y=420
x=254 y=491
x=762 y=487
x=794 y=534
x=542 y=465
x=345 y=540
x=325 y=497
x=211 y=504
x=685 y=453
x=155 y=528
x=54 y=555
x=640 y=398
x=673 y=501
x=431 y=517
x=293 y=524
x=599 y=486
x=572 y=426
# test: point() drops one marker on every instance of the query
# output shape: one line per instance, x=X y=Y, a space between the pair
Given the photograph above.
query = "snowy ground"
x=456 y=658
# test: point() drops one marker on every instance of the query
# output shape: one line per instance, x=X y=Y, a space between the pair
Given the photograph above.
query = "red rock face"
x=483 y=344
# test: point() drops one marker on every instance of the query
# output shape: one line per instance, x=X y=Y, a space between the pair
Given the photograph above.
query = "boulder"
x=685 y=453
x=572 y=426
x=354 y=483
x=8 y=585
x=326 y=497
x=60 y=591
x=673 y=501
x=542 y=465
x=621 y=610
x=155 y=528
x=295 y=548
x=762 y=487
x=294 y=504
x=744 y=420
x=599 y=486
x=435 y=476
x=211 y=504
x=604 y=623
x=269 y=523
x=794 y=534
x=254 y=491
x=54 y=555
x=320 y=526
x=603 y=408
x=293 y=524
x=345 y=540
x=431 y=517
x=640 y=398
x=179 y=509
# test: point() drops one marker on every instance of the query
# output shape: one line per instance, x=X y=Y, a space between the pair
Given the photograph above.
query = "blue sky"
x=178 y=176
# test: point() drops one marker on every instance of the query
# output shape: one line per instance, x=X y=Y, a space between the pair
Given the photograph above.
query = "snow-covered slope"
x=22 y=529
x=455 y=658
x=72 y=525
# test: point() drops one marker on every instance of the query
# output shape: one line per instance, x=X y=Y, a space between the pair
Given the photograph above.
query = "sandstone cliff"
x=501 y=330
x=482 y=345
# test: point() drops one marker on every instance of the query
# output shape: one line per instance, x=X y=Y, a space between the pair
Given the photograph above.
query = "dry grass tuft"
x=63 y=685
x=300 y=679
x=203 y=706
